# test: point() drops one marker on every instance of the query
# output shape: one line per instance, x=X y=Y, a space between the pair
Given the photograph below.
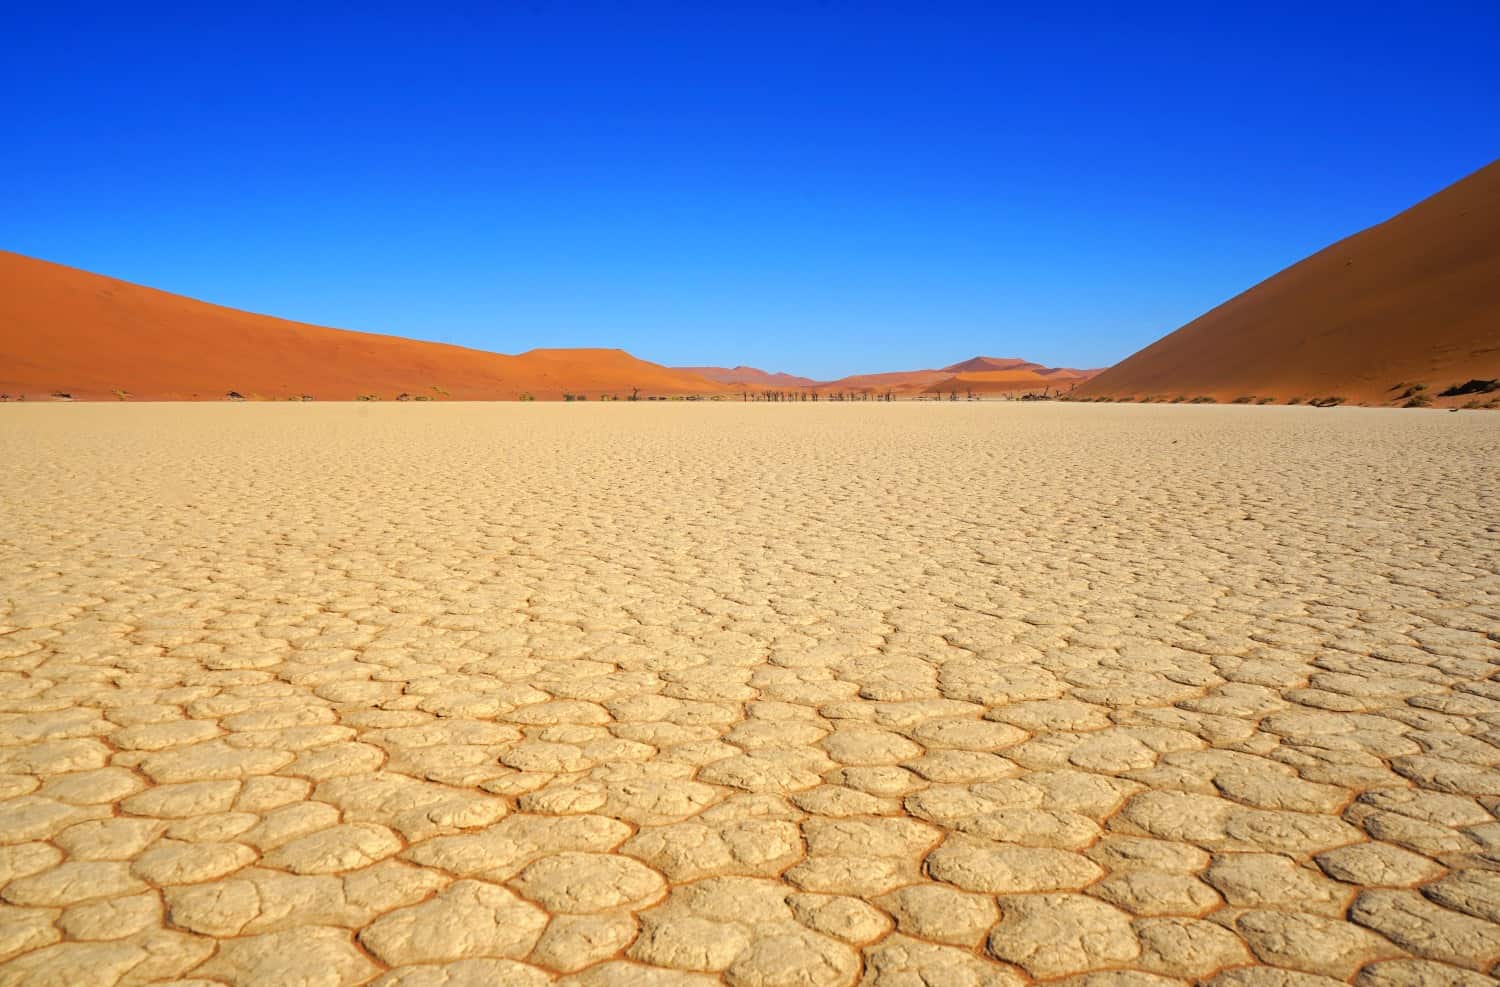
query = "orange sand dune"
x=1020 y=380
x=981 y=374
x=901 y=383
x=749 y=376
x=981 y=364
x=65 y=330
x=1414 y=300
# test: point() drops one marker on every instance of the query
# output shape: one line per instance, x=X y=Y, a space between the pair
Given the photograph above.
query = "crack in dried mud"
x=818 y=696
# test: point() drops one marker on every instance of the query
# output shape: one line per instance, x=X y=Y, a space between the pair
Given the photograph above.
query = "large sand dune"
x=65 y=330
x=987 y=695
x=1414 y=300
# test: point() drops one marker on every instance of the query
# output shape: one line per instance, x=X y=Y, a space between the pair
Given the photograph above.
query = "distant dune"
x=67 y=331
x=900 y=383
x=985 y=364
x=978 y=375
x=749 y=375
x=1412 y=301
x=990 y=375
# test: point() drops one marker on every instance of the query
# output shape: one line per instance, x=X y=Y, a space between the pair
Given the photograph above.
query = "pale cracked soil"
x=772 y=696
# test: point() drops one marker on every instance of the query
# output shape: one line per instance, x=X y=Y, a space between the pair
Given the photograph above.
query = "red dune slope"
x=67 y=331
x=1021 y=380
x=900 y=383
x=749 y=376
x=984 y=364
x=980 y=374
x=1414 y=300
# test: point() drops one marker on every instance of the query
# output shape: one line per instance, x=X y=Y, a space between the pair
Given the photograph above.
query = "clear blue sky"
x=823 y=188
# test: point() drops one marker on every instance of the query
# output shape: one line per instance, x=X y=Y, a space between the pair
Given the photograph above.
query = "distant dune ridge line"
x=749 y=376
x=66 y=332
x=978 y=375
x=988 y=375
x=1414 y=300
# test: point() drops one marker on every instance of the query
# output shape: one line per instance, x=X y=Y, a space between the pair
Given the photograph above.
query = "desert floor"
x=911 y=694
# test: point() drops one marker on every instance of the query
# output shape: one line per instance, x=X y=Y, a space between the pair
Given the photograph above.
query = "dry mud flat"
x=911 y=694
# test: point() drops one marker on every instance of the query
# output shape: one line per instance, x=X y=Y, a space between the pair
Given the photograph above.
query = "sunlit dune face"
x=1408 y=307
x=98 y=338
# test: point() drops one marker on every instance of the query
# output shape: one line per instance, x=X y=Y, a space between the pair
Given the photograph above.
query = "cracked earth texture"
x=895 y=695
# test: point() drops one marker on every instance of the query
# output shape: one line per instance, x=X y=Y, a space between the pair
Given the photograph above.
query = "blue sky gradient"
x=823 y=188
